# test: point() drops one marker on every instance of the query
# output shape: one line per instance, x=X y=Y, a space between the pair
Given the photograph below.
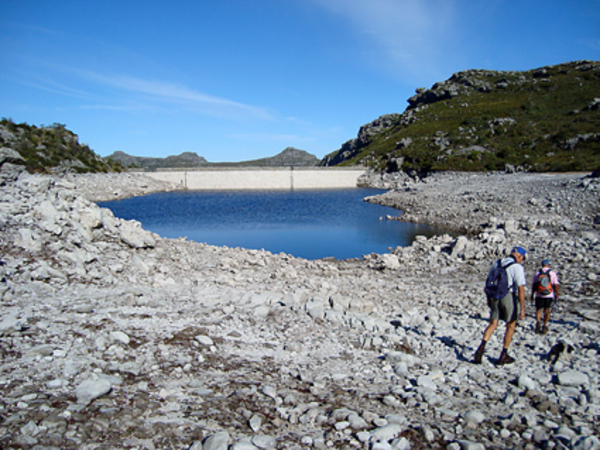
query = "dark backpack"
x=496 y=284
x=544 y=284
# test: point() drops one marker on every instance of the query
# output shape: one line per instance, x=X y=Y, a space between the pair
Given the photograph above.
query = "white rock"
x=121 y=337
x=57 y=383
x=585 y=443
x=386 y=433
x=398 y=357
x=357 y=422
x=11 y=324
x=43 y=350
x=30 y=429
x=269 y=391
x=381 y=446
x=91 y=389
x=390 y=262
x=315 y=308
x=573 y=378
x=468 y=445
x=474 y=416
x=204 y=340
x=243 y=444
x=401 y=444
x=426 y=382
x=217 y=441
x=264 y=442
x=525 y=382
x=255 y=423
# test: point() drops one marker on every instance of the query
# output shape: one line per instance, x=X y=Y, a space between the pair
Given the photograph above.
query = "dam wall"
x=261 y=177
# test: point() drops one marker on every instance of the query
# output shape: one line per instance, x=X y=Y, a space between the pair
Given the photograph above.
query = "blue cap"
x=545 y=262
x=519 y=250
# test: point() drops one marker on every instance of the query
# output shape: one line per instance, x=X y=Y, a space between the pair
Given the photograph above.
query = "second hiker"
x=544 y=291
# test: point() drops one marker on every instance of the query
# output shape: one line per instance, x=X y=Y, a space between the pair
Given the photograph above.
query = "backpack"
x=496 y=284
x=544 y=284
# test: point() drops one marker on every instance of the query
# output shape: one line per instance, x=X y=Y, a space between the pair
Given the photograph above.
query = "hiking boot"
x=505 y=359
x=538 y=328
x=478 y=356
x=544 y=330
x=479 y=353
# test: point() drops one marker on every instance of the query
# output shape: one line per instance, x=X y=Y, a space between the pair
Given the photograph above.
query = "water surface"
x=311 y=224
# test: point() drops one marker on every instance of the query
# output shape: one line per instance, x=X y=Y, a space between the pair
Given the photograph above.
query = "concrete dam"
x=240 y=178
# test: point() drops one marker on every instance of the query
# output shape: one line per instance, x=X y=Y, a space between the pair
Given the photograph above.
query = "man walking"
x=509 y=308
x=544 y=291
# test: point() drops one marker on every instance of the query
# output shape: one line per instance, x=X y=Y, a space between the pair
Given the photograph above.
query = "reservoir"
x=311 y=224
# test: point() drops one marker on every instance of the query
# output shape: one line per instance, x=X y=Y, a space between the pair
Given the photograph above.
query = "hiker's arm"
x=521 y=293
x=556 y=292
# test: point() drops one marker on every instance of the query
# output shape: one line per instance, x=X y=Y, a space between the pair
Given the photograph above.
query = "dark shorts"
x=543 y=302
x=506 y=309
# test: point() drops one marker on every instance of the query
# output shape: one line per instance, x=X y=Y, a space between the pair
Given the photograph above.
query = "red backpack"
x=544 y=284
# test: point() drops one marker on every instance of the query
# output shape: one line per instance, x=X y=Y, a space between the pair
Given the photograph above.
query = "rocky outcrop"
x=112 y=336
x=50 y=149
x=353 y=147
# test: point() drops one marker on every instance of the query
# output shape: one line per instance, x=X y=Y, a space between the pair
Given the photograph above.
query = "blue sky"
x=236 y=80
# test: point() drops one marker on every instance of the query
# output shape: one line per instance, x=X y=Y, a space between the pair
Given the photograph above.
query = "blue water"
x=310 y=224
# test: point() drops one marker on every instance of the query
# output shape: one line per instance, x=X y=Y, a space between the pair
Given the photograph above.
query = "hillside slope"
x=546 y=119
x=52 y=149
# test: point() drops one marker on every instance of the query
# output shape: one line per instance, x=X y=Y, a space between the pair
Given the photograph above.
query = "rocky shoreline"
x=112 y=337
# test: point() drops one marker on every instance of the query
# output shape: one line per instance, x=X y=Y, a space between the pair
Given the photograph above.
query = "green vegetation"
x=541 y=120
x=52 y=149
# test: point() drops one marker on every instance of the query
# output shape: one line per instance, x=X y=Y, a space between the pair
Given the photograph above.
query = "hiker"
x=506 y=308
x=544 y=291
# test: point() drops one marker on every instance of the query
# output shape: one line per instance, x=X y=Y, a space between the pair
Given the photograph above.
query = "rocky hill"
x=546 y=119
x=51 y=149
x=186 y=159
x=288 y=157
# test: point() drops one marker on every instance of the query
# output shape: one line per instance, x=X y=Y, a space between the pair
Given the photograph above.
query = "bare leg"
x=510 y=330
x=546 y=316
x=487 y=334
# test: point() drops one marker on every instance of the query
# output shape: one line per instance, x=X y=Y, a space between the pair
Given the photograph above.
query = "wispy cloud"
x=122 y=92
x=49 y=85
x=413 y=37
x=166 y=92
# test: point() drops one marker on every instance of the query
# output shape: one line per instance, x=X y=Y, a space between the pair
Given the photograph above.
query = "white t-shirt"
x=515 y=273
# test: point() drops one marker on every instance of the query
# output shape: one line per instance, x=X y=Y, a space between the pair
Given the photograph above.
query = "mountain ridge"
x=290 y=156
